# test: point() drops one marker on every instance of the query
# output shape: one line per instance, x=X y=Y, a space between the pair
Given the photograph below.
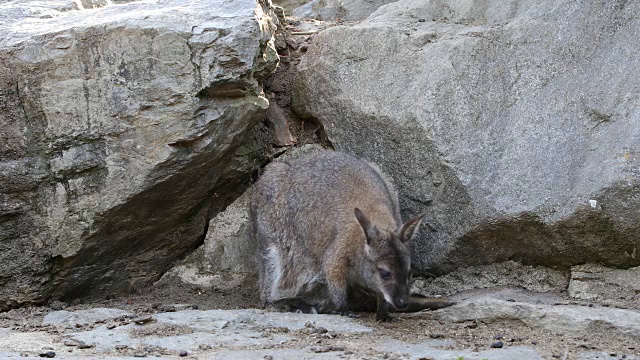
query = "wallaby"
x=329 y=237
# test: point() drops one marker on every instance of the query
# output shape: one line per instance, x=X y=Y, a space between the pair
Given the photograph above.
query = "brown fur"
x=328 y=232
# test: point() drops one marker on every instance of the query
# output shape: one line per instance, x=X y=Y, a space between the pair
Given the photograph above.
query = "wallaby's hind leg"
x=264 y=281
x=337 y=283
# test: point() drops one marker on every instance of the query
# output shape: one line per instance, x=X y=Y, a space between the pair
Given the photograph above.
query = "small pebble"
x=613 y=354
x=83 y=345
x=141 y=320
x=498 y=337
x=497 y=345
x=319 y=330
x=71 y=342
x=56 y=305
x=268 y=357
x=421 y=20
x=534 y=342
x=155 y=305
x=194 y=307
x=111 y=326
x=326 y=348
x=48 y=354
x=167 y=308
x=321 y=349
x=183 y=353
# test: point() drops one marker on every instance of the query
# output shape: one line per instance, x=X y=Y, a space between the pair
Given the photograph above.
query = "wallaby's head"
x=387 y=264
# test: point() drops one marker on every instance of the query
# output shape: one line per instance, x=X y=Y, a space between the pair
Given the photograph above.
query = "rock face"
x=507 y=274
x=123 y=130
x=227 y=255
x=339 y=9
x=562 y=319
x=595 y=282
x=289 y=5
x=515 y=126
x=226 y=246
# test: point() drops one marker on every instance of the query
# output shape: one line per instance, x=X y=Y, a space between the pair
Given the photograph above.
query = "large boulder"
x=515 y=125
x=123 y=129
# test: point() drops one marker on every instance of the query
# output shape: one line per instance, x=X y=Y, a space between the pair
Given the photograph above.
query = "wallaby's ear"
x=410 y=228
x=370 y=231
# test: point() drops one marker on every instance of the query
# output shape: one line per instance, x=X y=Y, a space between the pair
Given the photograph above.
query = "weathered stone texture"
x=559 y=319
x=339 y=9
x=598 y=283
x=123 y=129
x=507 y=274
x=515 y=126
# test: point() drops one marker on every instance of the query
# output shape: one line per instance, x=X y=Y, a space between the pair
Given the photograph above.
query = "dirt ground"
x=410 y=328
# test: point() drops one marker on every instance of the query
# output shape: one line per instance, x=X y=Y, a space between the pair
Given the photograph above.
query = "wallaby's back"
x=302 y=214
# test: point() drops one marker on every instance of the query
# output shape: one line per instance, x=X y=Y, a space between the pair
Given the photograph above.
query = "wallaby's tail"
x=419 y=303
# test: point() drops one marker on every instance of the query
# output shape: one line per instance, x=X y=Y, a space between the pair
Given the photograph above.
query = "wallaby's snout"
x=399 y=299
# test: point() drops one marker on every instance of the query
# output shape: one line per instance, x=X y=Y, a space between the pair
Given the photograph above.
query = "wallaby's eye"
x=385 y=274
